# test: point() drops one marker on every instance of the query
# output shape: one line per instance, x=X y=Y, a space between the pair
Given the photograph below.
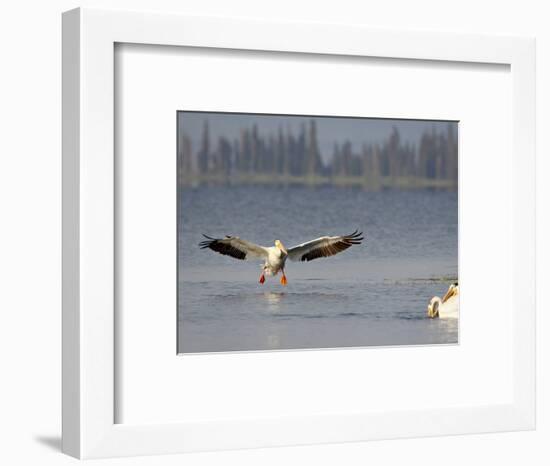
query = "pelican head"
x=433 y=307
x=280 y=245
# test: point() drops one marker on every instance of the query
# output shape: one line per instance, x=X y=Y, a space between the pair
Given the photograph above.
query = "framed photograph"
x=307 y=179
x=273 y=237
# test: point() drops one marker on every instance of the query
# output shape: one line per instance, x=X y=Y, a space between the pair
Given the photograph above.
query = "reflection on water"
x=273 y=300
x=373 y=294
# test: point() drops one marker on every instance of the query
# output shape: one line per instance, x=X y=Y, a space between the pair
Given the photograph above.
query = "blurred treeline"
x=294 y=158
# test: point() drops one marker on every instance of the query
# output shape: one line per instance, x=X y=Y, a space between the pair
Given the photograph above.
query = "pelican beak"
x=450 y=292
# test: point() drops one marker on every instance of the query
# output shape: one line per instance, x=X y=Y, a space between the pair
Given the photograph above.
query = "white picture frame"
x=89 y=337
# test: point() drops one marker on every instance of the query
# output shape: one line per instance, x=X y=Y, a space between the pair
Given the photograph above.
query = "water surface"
x=372 y=294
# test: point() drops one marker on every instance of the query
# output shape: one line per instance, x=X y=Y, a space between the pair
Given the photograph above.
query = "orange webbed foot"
x=262 y=279
x=284 y=280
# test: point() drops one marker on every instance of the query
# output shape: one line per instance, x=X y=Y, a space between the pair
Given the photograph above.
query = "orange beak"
x=449 y=294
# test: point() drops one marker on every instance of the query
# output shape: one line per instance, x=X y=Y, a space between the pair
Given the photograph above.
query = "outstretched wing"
x=235 y=247
x=324 y=247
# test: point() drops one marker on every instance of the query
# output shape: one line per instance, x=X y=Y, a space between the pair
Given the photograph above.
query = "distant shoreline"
x=365 y=182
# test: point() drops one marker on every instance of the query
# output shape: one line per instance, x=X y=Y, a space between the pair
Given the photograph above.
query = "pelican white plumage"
x=446 y=308
x=275 y=256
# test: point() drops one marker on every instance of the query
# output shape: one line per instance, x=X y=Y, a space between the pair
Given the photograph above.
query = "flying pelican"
x=275 y=256
x=447 y=307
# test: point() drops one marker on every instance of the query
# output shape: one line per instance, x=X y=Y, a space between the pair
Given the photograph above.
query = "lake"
x=374 y=294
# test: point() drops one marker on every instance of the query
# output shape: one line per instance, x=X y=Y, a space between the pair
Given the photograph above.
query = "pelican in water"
x=447 y=307
x=275 y=256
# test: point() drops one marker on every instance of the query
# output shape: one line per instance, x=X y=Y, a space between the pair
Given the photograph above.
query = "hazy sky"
x=329 y=129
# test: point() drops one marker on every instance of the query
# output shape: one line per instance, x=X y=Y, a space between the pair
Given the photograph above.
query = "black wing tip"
x=210 y=238
x=206 y=243
x=354 y=238
x=218 y=245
